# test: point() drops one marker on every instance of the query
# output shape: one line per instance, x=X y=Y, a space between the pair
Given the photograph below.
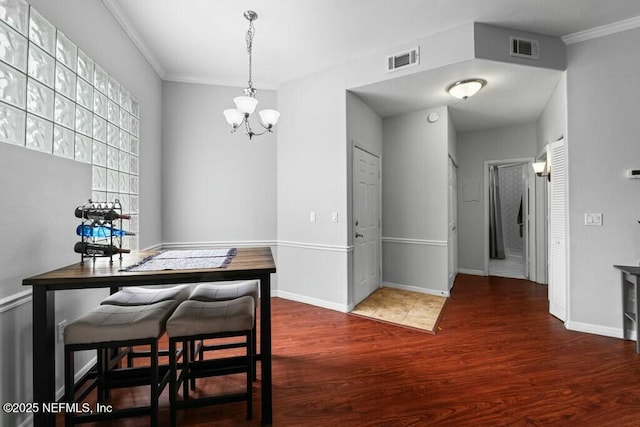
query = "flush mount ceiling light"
x=246 y=105
x=466 y=88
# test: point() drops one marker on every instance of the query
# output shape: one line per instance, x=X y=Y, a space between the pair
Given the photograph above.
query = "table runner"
x=185 y=260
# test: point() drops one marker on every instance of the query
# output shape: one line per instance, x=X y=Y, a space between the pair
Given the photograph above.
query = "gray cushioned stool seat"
x=107 y=327
x=119 y=323
x=223 y=292
x=193 y=318
x=134 y=295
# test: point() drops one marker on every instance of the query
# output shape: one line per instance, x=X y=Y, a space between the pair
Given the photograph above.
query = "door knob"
x=359 y=235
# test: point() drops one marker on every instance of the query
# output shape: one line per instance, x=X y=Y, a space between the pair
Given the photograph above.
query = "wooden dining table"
x=247 y=264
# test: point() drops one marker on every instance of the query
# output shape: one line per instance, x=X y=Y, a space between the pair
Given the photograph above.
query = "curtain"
x=496 y=240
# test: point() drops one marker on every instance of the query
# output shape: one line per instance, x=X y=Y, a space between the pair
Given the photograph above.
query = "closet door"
x=558 y=230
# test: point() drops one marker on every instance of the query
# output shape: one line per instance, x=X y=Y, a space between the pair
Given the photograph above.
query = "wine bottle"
x=94 y=249
x=98 y=213
x=101 y=231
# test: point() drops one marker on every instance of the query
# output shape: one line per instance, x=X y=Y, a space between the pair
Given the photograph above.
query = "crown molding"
x=604 y=30
x=181 y=78
x=121 y=17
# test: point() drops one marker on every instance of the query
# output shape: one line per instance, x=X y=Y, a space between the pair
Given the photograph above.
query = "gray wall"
x=493 y=43
x=474 y=148
x=39 y=193
x=218 y=187
x=414 y=201
x=552 y=123
x=602 y=141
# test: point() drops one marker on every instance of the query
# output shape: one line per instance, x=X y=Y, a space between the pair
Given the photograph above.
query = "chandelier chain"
x=249 y=38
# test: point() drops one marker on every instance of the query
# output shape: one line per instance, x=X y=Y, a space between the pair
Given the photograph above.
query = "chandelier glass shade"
x=246 y=104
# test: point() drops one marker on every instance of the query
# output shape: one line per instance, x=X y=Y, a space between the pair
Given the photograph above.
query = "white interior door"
x=366 y=217
x=558 y=230
x=452 y=238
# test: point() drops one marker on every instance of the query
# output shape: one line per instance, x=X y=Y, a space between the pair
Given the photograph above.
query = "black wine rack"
x=105 y=215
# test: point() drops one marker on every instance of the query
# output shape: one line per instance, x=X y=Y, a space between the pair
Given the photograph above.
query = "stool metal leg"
x=69 y=384
x=187 y=350
x=173 y=387
x=254 y=350
x=154 y=384
x=250 y=373
x=192 y=353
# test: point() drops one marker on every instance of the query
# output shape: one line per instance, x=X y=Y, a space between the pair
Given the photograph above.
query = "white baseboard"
x=28 y=422
x=86 y=368
x=417 y=289
x=313 y=301
x=595 y=329
x=471 y=272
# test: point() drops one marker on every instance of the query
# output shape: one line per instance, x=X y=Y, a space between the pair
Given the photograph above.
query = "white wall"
x=474 y=148
x=602 y=140
x=551 y=126
x=314 y=259
x=39 y=193
x=364 y=129
x=414 y=201
x=217 y=186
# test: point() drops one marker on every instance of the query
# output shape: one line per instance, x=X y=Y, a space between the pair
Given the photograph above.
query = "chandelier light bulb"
x=269 y=117
x=233 y=116
x=245 y=104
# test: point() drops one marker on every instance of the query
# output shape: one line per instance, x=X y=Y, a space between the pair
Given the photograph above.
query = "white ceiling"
x=514 y=94
x=203 y=41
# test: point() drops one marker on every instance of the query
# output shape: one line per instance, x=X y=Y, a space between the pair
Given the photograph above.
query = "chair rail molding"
x=316 y=246
x=15 y=300
x=406 y=241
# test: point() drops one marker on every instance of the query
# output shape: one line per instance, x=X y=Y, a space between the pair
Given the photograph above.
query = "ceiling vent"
x=524 y=48
x=405 y=59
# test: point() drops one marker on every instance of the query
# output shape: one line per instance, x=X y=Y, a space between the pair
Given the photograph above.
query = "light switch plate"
x=593 y=219
x=312 y=217
x=334 y=216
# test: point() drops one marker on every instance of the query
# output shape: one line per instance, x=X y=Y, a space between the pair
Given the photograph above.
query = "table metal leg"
x=265 y=348
x=44 y=350
x=637 y=307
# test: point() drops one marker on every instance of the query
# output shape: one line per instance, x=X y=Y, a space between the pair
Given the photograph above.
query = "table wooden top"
x=102 y=273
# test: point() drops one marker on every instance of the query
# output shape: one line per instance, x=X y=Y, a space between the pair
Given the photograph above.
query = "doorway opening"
x=509 y=218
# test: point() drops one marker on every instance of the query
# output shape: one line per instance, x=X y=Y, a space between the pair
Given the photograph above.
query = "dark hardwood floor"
x=498 y=359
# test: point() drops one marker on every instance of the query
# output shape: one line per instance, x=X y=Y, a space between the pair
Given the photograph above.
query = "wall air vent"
x=524 y=48
x=403 y=59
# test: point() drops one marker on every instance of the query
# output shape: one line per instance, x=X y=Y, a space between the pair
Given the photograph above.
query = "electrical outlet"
x=61 y=327
x=593 y=219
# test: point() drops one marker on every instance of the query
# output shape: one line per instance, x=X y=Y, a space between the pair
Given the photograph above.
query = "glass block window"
x=55 y=99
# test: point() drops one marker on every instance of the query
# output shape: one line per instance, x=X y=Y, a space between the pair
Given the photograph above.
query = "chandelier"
x=246 y=104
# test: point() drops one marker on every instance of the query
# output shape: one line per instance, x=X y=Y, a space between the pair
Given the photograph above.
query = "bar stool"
x=136 y=295
x=224 y=292
x=106 y=327
x=200 y=320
